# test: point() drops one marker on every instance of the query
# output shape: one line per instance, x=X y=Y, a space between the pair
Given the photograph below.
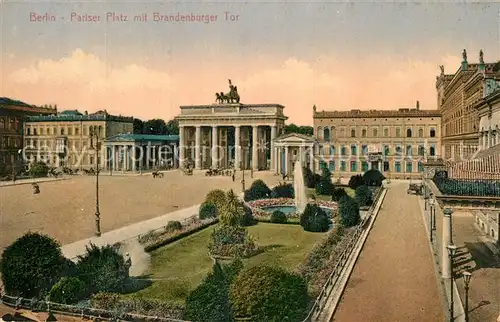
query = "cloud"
x=86 y=82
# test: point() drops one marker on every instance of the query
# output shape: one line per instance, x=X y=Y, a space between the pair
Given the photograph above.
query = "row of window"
x=386 y=150
x=8 y=142
x=62 y=131
x=51 y=144
x=328 y=135
x=9 y=123
x=365 y=166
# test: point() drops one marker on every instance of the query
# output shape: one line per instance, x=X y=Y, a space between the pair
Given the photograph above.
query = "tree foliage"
x=278 y=217
x=283 y=190
x=348 y=212
x=363 y=196
x=68 y=290
x=232 y=211
x=338 y=193
x=292 y=128
x=373 y=177
x=314 y=219
x=173 y=225
x=231 y=241
x=310 y=178
x=325 y=185
x=207 y=210
x=102 y=269
x=39 y=169
x=266 y=293
x=356 y=181
x=258 y=190
x=31 y=265
x=216 y=197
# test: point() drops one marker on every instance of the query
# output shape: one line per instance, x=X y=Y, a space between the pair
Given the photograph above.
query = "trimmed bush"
x=39 y=169
x=216 y=197
x=31 y=265
x=278 y=217
x=207 y=210
x=348 y=212
x=283 y=190
x=67 y=290
x=310 y=178
x=233 y=210
x=373 y=177
x=356 y=181
x=102 y=269
x=231 y=241
x=325 y=186
x=258 y=190
x=314 y=219
x=363 y=196
x=269 y=294
x=247 y=219
x=173 y=225
x=338 y=193
x=210 y=300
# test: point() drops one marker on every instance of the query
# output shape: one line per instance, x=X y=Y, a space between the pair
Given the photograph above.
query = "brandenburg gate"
x=229 y=134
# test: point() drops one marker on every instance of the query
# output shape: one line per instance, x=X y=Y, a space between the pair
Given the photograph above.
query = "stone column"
x=447 y=240
x=237 y=147
x=311 y=157
x=255 y=159
x=197 y=159
x=483 y=137
x=302 y=156
x=125 y=157
x=273 y=152
x=277 y=159
x=134 y=158
x=286 y=160
x=181 y=146
x=215 y=147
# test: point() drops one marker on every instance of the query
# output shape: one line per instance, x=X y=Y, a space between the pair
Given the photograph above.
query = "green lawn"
x=183 y=264
x=310 y=191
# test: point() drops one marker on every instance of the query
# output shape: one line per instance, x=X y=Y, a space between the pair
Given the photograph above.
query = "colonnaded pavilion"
x=244 y=136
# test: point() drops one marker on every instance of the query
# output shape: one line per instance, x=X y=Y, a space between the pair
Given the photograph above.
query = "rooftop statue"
x=481 y=58
x=442 y=69
x=464 y=55
x=231 y=97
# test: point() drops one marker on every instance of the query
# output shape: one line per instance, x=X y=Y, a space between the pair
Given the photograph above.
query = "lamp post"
x=451 y=252
x=243 y=169
x=466 y=275
x=94 y=135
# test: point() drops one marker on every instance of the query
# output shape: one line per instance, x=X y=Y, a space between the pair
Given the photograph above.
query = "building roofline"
x=377 y=113
x=230 y=105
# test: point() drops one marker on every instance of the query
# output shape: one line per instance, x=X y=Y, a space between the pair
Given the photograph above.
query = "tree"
x=258 y=190
x=325 y=185
x=310 y=178
x=278 y=217
x=216 y=197
x=39 y=169
x=373 y=177
x=102 y=269
x=292 y=128
x=31 y=265
x=314 y=219
x=363 y=196
x=173 y=127
x=356 y=181
x=207 y=210
x=283 y=190
x=155 y=126
x=348 y=212
x=67 y=290
x=138 y=126
x=232 y=212
x=266 y=293
x=338 y=193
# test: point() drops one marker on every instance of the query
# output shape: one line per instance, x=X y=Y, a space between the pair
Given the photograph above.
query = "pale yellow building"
x=396 y=142
x=64 y=139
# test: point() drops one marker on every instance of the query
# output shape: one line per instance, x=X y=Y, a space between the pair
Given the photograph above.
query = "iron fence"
x=334 y=277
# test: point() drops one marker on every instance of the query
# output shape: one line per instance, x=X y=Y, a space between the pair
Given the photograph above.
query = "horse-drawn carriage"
x=219 y=172
x=157 y=174
x=415 y=188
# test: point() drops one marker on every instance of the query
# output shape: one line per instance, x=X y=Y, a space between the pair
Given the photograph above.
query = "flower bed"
x=161 y=237
x=261 y=215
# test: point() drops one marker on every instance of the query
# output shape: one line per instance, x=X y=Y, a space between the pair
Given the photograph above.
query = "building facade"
x=395 y=142
x=457 y=98
x=64 y=139
x=12 y=117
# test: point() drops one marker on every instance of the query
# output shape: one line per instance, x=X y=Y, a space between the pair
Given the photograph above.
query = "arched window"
x=319 y=131
x=432 y=151
x=386 y=132
x=342 y=150
x=432 y=132
x=421 y=150
x=363 y=132
x=354 y=150
x=332 y=150
x=408 y=133
x=353 y=133
x=420 y=133
x=326 y=134
x=375 y=133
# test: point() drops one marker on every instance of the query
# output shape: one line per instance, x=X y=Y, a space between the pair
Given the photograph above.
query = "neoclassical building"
x=396 y=142
x=229 y=133
x=458 y=97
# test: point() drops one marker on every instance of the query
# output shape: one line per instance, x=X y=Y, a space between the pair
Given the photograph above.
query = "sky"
x=335 y=55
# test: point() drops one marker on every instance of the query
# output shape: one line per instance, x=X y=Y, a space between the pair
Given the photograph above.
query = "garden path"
x=394 y=278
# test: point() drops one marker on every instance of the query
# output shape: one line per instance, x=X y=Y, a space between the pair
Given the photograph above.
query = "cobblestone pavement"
x=394 y=278
x=65 y=209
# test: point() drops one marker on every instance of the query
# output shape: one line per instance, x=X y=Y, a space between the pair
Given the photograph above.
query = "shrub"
x=373 y=177
x=207 y=210
x=67 y=290
x=356 y=181
x=310 y=178
x=247 y=219
x=325 y=185
x=338 y=193
x=173 y=225
x=314 y=219
x=31 y=265
x=269 y=294
x=39 y=169
x=348 y=212
x=278 y=217
x=231 y=241
x=210 y=300
x=232 y=212
x=363 y=196
x=102 y=269
x=258 y=190
x=283 y=190
x=216 y=197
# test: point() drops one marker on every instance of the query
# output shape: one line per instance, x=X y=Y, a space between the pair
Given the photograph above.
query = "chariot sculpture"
x=231 y=97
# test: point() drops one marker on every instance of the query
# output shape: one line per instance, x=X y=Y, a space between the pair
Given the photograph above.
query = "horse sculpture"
x=231 y=97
